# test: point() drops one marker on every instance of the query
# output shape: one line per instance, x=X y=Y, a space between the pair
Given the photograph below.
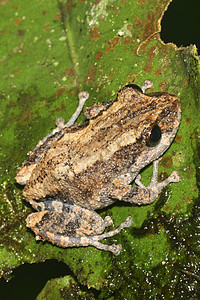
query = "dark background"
x=181 y=23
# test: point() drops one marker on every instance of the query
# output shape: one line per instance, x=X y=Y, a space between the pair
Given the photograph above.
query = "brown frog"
x=77 y=169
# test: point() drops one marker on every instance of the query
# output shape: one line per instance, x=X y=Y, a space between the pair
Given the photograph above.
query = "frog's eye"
x=155 y=136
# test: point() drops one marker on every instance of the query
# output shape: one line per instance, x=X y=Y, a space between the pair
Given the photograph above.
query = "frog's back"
x=81 y=165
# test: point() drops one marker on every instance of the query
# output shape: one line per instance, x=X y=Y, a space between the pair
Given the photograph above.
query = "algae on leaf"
x=49 y=52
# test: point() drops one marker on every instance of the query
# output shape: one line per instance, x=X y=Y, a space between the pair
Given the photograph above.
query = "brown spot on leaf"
x=73 y=91
x=62 y=107
x=116 y=10
x=69 y=72
x=178 y=207
x=163 y=85
x=21 y=45
x=99 y=55
x=131 y=78
x=162 y=176
x=4 y=32
x=149 y=65
x=20 y=33
x=17 y=22
x=101 y=72
x=186 y=81
x=127 y=40
x=149 y=26
x=90 y=77
x=188 y=121
x=60 y=91
x=187 y=199
x=94 y=33
x=158 y=72
x=3 y=2
x=57 y=17
x=166 y=162
x=16 y=72
x=107 y=93
x=112 y=44
x=47 y=28
x=27 y=116
x=11 y=104
x=178 y=138
x=138 y=22
x=111 y=75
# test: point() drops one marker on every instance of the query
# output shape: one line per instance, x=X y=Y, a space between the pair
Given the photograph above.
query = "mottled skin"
x=81 y=168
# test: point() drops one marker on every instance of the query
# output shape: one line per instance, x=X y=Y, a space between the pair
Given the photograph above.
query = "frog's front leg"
x=37 y=153
x=142 y=194
x=156 y=187
x=60 y=122
x=72 y=226
x=82 y=97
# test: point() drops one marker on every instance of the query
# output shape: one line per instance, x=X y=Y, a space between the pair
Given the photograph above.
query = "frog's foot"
x=147 y=84
x=155 y=187
x=82 y=96
x=60 y=122
x=46 y=231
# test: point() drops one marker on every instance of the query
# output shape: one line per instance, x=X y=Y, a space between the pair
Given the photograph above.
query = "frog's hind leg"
x=74 y=226
x=64 y=242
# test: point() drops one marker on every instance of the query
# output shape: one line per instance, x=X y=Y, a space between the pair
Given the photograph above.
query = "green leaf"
x=49 y=52
x=64 y=288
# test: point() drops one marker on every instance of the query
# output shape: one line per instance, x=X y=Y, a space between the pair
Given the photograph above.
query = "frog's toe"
x=83 y=96
x=60 y=122
x=147 y=84
x=128 y=222
x=108 y=221
x=175 y=177
x=115 y=249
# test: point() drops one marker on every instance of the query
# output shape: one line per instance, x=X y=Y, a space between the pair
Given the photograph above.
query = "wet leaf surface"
x=49 y=52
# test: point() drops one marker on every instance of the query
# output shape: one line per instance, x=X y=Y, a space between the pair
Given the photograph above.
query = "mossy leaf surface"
x=49 y=52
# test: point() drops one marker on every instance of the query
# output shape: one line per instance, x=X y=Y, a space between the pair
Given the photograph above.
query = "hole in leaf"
x=181 y=23
x=29 y=279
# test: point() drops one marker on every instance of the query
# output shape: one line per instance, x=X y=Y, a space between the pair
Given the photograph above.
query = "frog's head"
x=156 y=118
x=164 y=124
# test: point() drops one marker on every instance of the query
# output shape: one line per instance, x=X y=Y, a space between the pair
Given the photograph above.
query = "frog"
x=78 y=169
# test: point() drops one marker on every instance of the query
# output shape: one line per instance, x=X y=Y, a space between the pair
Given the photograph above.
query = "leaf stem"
x=71 y=44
